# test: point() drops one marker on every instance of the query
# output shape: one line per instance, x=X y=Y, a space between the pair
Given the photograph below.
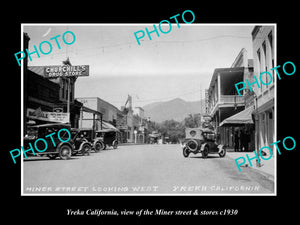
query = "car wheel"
x=86 y=149
x=186 y=152
x=205 y=151
x=115 y=145
x=222 y=153
x=65 y=152
x=98 y=146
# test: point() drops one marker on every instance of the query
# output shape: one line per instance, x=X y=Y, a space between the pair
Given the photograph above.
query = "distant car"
x=62 y=149
x=201 y=140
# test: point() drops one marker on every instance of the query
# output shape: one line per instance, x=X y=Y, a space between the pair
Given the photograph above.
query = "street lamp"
x=135 y=134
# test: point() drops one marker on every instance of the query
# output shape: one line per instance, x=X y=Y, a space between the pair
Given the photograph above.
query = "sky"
x=178 y=64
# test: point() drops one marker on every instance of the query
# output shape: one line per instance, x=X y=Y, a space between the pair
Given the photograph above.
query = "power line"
x=104 y=48
x=164 y=98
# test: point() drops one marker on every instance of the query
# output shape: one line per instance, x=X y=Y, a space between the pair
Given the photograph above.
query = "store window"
x=270 y=38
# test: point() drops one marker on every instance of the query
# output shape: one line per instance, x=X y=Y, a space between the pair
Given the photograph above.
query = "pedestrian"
x=242 y=140
x=247 y=140
x=236 y=141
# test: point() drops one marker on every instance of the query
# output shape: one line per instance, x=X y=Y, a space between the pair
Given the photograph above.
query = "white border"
x=139 y=24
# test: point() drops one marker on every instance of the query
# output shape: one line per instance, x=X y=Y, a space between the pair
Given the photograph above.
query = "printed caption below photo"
x=147 y=212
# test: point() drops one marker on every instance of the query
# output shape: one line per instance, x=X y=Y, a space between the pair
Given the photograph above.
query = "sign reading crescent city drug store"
x=66 y=71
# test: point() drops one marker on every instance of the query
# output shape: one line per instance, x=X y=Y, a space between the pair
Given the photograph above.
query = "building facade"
x=264 y=59
x=50 y=95
x=223 y=99
x=110 y=114
x=140 y=124
x=129 y=120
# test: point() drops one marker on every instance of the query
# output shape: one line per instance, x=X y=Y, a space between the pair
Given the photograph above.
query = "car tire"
x=65 y=152
x=115 y=144
x=98 y=146
x=222 y=153
x=185 y=152
x=86 y=149
x=205 y=152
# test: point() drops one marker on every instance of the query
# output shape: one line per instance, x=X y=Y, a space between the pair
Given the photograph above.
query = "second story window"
x=270 y=38
x=265 y=78
x=259 y=64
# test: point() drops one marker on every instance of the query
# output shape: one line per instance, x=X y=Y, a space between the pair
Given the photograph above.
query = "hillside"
x=176 y=109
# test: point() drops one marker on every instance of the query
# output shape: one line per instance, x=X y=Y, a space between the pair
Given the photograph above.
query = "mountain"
x=176 y=109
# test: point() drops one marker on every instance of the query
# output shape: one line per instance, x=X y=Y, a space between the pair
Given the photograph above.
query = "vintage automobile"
x=201 y=140
x=62 y=149
x=153 y=138
x=88 y=135
x=81 y=138
x=109 y=137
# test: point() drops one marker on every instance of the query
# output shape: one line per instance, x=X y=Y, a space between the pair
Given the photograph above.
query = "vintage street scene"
x=104 y=114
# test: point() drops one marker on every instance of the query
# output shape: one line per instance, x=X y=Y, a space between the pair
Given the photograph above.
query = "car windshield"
x=64 y=135
x=73 y=133
x=32 y=132
x=210 y=136
x=99 y=134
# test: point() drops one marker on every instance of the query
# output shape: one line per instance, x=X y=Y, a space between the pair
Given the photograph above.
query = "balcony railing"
x=227 y=99
x=232 y=99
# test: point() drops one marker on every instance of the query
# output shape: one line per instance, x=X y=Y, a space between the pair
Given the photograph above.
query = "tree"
x=172 y=129
x=192 y=121
x=153 y=126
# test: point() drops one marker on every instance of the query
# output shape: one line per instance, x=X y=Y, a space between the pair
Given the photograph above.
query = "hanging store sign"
x=66 y=71
x=58 y=110
x=48 y=116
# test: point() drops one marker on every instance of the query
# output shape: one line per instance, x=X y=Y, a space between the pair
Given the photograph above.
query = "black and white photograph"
x=144 y=109
x=150 y=114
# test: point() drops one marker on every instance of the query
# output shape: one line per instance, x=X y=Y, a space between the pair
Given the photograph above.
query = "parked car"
x=90 y=136
x=109 y=137
x=62 y=149
x=82 y=141
x=201 y=140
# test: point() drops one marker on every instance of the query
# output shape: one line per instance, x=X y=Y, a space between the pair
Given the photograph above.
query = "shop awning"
x=243 y=117
x=86 y=109
x=108 y=126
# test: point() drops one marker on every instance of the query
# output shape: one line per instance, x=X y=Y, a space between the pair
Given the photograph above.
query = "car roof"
x=81 y=129
x=107 y=130
x=206 y=130
x=52 y=125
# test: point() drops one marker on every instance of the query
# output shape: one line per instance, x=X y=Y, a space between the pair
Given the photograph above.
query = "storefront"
x=44 y=101
x=265 y=123
x=239 y=130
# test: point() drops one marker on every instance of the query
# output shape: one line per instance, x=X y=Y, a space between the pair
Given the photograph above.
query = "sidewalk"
x=267 y=166
x=131 y=143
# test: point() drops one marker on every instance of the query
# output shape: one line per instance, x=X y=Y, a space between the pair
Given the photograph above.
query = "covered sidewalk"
x=241 y=126
x=243 y=117
x=108 y=126
x=94 y=119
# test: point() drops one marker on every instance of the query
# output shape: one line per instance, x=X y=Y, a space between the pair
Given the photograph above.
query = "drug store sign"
x=48 y=116
x=66 y=71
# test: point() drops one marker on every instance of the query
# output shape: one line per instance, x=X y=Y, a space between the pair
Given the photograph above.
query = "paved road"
x=142 y=169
